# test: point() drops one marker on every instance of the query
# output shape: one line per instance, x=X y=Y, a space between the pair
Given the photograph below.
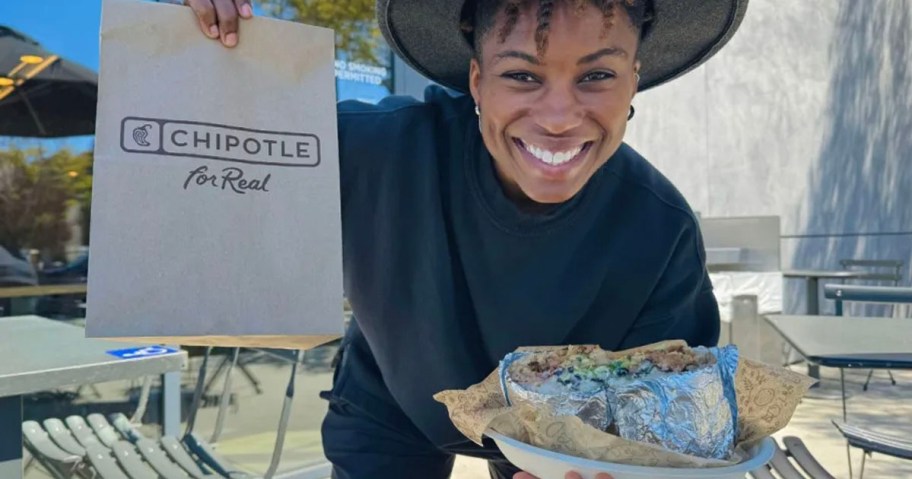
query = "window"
x=364 y=62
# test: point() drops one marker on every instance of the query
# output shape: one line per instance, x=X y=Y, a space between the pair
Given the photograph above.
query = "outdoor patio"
x=791 y=147
x=249 y=432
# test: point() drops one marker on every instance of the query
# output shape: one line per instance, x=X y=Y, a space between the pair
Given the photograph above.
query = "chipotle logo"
x=219 y=142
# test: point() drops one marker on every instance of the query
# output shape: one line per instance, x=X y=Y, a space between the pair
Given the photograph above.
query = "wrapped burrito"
x=670 y=395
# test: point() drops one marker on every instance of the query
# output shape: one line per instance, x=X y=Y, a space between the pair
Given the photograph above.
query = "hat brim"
x=682 y=35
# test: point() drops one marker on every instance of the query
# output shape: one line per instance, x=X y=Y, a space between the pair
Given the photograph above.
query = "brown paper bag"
x=216 y=209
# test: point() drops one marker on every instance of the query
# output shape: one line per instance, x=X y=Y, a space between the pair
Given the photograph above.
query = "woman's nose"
x=559 y=111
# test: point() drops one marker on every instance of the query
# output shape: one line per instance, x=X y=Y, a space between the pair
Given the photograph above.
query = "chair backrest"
x=866 y=294
x=84 y=434
x=152 y=453
x=209 y=457
x=103 y=429
x=178 y=454
x=125 y=428
x=878 y=272
x=63 y=437
x=131 y=462
x=888 y=271
x=41 y=446
x=104 y=463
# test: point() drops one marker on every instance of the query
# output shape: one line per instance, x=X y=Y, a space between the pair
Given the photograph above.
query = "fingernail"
x=231 y=39
x=246 y=10
x=213 y=31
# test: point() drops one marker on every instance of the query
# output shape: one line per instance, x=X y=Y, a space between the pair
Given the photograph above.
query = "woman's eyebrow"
x=613 y=51
x=517 y=54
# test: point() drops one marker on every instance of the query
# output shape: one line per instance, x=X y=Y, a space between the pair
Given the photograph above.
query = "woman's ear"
x=636 y=85
x=474 y=79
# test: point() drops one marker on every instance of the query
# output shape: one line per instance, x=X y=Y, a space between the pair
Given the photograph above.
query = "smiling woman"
x=553 y=89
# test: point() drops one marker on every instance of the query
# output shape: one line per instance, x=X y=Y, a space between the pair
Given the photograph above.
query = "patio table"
x=848 y=342
x=37 y=354
x=12 y=297
x=42 y=290
x=812 y=279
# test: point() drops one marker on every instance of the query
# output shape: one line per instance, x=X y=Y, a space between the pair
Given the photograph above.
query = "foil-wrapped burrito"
x=673 y=396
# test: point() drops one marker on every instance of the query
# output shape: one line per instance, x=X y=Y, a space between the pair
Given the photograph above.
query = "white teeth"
x=550 y=157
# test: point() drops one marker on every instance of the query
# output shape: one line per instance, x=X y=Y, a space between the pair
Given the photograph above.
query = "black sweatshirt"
x=446 y=275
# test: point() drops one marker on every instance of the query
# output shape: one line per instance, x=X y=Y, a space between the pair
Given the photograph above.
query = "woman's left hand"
x=570 y=475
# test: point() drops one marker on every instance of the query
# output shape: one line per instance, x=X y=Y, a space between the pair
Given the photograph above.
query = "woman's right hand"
x=219 y=19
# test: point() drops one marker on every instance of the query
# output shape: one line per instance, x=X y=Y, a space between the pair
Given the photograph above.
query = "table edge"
x=153 y=366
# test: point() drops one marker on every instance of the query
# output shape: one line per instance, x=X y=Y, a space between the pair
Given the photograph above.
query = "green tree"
x=354 y=21
x=36 y=191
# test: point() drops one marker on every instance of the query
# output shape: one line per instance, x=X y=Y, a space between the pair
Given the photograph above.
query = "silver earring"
x=477 y=111
x=638 y=78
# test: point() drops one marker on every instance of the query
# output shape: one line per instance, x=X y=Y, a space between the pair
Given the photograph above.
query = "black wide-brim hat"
x=681 y=35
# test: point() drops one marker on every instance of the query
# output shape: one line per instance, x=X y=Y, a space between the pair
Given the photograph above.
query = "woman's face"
x=550 y=122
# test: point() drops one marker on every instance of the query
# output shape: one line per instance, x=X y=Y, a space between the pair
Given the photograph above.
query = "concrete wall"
x=806 y=114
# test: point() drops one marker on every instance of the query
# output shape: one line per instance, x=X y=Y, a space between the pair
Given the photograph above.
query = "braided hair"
x=478 y=22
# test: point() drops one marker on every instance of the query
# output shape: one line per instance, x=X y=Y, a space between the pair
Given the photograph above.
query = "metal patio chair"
x=793 y=461
x=878 y=272
x=870 y=441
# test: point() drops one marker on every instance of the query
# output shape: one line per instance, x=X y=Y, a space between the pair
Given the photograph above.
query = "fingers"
x=569 y=475
x=205 y=12
x=244 y=8
x=574 y=475
x=227 y=15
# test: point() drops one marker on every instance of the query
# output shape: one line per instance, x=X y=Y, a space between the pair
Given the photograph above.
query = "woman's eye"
x=522 y=77
x=598 y=76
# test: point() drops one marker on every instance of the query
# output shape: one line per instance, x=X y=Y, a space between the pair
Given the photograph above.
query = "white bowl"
x=547 y=464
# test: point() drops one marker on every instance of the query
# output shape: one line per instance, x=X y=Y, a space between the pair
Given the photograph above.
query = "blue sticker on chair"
x=146 y=352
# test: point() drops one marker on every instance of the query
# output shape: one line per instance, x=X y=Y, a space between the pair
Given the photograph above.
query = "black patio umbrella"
x=41 y=94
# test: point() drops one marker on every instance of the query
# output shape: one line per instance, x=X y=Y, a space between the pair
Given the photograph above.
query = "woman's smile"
x=552 y=160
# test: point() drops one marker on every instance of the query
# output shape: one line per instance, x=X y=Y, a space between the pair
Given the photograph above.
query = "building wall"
x=806 y=114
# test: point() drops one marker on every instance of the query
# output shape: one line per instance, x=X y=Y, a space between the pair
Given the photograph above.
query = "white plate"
x=547 y=464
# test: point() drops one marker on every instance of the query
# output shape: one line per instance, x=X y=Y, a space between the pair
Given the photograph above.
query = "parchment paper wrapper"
x=766 y=399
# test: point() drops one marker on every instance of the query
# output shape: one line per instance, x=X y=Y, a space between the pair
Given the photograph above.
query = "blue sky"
x=69 y=28
x=66 y=27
